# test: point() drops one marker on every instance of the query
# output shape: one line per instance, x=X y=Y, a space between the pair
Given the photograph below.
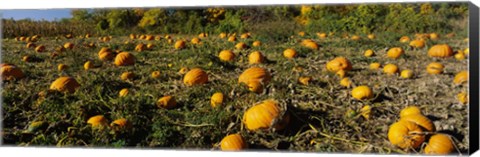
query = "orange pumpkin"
x=195 y=76
x=222 y=35
x=420 y=120
x=156 y=74
x=368 y=53
x=121 y=124
x=255 y=86
x=418 y=43
x=241 y=46
x=180 y=44
x=439 y=144
x=256 y=43
x=461 y=77
x=254 y=74
x=166 y=102
x=375 y=66
x=404 y=39
x=124 y=92
x=256 y=57
x=440 y=51
x=10 y=72
x=410 y=110
x=40 y=48
x=124 y=59
x=226 y=55
x=402 y=134
x=435 y=68
x=216 y=99
x=97 y=121
x=339 y=63
x=68 y=45
x=346 y=82
x=65 y=84
x=195 y=41
x=395 y=52
x=127 y=76
x=289 y=53
x=305 y=80
x=362 y=93
x=264 y=116
x=233 y=142
x=390 y=69
x=140 y=47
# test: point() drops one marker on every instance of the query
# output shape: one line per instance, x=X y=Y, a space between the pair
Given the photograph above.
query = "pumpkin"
x=142 y=37
x=195 y=76
x=88 y=65
x=404 y=39
x=374 y=66
x=168 y=37
x=195 y=41
x=255 y=86
x=68 y=45
x=156 y=74
x=61 y=67
x=310 y=44
x=402 y=134
x=406 y=74
x=435 y=68
x=301 y=33
x=421 y=121
x=341 y=73
x=37 y=126
x=322 y=35
x=124 y=59
x=459 y=55
x=180 y=44
x=65 y=84
x=256 y=57
x=222 y=35
x=244 y=36
x=40 y=48
x=410 y=110
x=31 y=45
x=140 y=47
x=339 y=63
x=390 y=69
x=226 y=55
x=121 y=124
x=305 y=80
x=355 y=37
x=232 y=39
x=254 y=74
x=166 y=102
x=183 y=70
x=440 y=51
x=365 y=111
x=241 y=46
x=216 y=99
x=371 y=36
x=132 y=36
x=439 y=144
x=362 y=93
x=27 y=58
x=461 y=77
x=264 y=115
x=256 y=43
x=368 y=53
x=466 y=51
x=106 y=56
x=149 y=37
x=69 y=36
x=233 y=142
x=346 y=82
x=434 y=36
x=395 y=52
x=127 y=76
x=124 y=92
x=462 y=97
x=97 y=121
x=202 y=35
x=418 y=43
x=289 y=53
x=158 y=37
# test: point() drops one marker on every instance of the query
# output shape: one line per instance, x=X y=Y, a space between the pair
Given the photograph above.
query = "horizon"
x=36 y=14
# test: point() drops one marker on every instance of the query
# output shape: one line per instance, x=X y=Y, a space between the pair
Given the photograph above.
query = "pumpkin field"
x=278 y=85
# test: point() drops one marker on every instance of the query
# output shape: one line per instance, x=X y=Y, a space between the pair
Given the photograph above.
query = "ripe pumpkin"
x=371 y=36
x=65 y=84
x=362 y=93
x=62 y=67
x=420 y=120
x=434 y=36
x=226 y=55
x=289 y=53
x=40 y=48
x=301 y=33
x=156 y=74
x=439 y=144
x=121 y=124
x=166 y=102
x=264 y=115
x=459 y=55
x=257 y=43
x=322 y=35
x=68 y=45
x=305 y=80
x=241 y=46
x=395 y=52
x=369 y=53
x=254 y=74
x=244 y=36
x=106 y=56
x=435 y=68
x=216 y=99
x=418 y=43
x=195 y=41
x=341 y=73
x=202 y=35
x=390 y=69
x=140 y=47
x=310 y=44
x=222 y=35
x=27 y=58
x=404 y=39
x=440 y=51
x=127 y=76
x=124 y=59
x=232 y=39
x=195 y=76
x=462 y=97
x=149 y=37
x=97 y=121
x=88 y=65
x=406 y=74
x=410 y=110
x=365 y=111
x=355 y=37
x=31 y=45
x=401 y=134
x=183 y=70
x=375 y=66
x=256 y=57
x=346 y=82
x=466 y=51
x=133 y=36
x=124 y=92
x=339 y=63
x=461 y=77
x=233 y=142
x=158 y=37
x=255 y=86
x=180 y=44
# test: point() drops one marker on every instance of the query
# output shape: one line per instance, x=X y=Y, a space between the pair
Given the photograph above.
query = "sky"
x=36 y=14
